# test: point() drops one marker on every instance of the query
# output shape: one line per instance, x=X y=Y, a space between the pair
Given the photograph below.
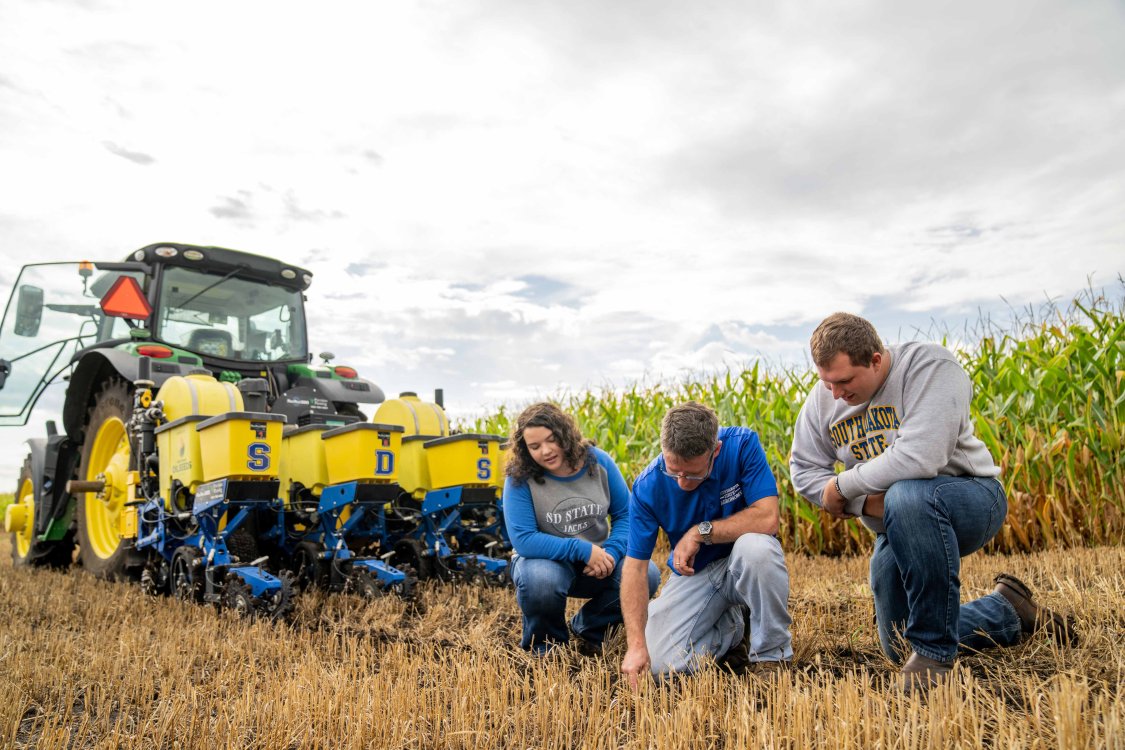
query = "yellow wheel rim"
x=25 y=536
x=109 y=461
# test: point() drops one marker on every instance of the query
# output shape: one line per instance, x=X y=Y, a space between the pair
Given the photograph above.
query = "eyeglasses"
x=688 y=477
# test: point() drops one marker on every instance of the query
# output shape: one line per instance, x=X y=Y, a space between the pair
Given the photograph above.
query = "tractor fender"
x=53 y=459
x=355 y=390
x=37 y=448
x=93 y=367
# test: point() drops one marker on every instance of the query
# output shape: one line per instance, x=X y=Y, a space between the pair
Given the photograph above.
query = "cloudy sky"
x=505 y=199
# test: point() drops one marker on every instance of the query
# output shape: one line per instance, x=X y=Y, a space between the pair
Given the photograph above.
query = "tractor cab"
x=186 y=307
x=54 y=312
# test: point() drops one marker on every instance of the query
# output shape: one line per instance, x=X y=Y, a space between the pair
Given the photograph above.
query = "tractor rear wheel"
x=19 y=518
x=106 y=456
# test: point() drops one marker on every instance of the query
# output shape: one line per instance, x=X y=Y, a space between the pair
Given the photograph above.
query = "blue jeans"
x=542 y=588
x=916 y=568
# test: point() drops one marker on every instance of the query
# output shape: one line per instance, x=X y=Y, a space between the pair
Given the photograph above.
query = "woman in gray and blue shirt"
x=566 y=507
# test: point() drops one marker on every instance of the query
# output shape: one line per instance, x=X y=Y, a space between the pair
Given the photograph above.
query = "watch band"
x=705 y=535
x=836 y=481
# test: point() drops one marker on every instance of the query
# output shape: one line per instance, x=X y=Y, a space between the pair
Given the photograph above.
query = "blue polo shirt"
x=740 y=477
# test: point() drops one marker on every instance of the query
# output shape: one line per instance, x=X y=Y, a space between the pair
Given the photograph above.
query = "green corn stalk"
x=1048 y=402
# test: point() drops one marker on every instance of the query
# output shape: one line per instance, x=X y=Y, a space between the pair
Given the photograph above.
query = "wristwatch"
x=705 y=531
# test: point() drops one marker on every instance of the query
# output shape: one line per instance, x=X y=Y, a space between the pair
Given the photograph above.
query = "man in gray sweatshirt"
x=898 y=420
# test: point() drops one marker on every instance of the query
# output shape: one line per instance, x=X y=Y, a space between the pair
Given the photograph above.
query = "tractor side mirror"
x=29 y=310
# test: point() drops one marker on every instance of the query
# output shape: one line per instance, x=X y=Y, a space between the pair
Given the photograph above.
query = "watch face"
x=705 y=528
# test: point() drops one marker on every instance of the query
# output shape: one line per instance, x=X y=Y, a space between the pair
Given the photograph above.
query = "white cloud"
x=508 y=198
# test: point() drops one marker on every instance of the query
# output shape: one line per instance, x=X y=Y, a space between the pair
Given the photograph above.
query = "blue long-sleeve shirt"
x=563 y=517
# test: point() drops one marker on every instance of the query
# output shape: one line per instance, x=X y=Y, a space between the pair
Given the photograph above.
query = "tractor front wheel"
x=106 y=457
x=19 y=519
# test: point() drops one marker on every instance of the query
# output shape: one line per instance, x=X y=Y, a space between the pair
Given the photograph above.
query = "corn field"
x=1048 y=402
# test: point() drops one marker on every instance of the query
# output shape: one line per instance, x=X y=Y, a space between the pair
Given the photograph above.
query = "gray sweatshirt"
x=916 y=426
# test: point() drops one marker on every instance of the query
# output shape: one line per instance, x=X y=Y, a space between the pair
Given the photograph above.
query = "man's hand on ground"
x=635 y=664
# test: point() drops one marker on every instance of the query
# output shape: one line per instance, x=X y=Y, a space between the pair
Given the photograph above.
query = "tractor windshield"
x=52 y=313
x=222 y=315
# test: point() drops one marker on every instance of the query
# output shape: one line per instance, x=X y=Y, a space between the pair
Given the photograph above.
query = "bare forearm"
x=634 y=599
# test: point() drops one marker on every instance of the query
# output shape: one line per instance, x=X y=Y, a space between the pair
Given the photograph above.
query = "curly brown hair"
x=521 y=466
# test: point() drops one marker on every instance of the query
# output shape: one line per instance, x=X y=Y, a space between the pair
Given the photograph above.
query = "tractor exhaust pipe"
x=144 y=371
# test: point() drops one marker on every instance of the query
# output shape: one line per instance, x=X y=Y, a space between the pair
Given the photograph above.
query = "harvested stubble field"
x=85 y=663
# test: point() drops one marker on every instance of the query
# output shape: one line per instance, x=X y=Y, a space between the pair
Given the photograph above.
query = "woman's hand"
x=600 y=564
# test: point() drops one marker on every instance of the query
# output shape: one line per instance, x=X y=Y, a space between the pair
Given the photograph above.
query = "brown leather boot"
x=767 y=669
x=1032 y=616
x=920 y=673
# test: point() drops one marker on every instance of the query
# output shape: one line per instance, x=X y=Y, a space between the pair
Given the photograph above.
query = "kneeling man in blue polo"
x=712 y=492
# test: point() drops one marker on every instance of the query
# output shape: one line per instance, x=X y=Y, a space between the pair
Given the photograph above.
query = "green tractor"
x=168 y=311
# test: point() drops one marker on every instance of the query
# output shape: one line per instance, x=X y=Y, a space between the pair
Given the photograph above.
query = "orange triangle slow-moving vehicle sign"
x=125 y=299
